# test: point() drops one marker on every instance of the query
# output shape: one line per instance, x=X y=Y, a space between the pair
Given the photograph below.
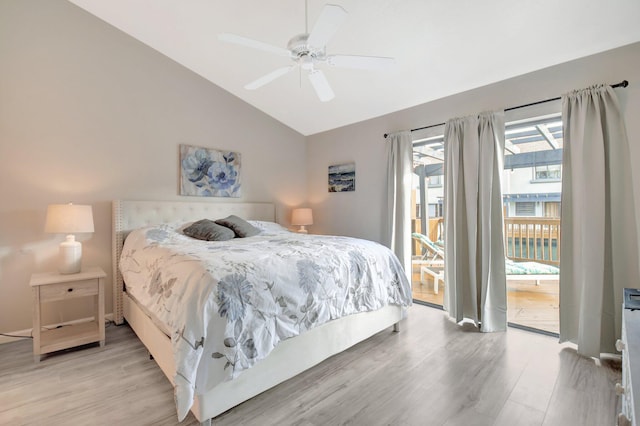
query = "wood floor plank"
x=433 y=372
x=514 y=414
x=582 y=394
x=535 y=386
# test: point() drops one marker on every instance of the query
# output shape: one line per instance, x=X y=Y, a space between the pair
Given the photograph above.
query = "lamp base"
x=70 y=256
x=302 y=230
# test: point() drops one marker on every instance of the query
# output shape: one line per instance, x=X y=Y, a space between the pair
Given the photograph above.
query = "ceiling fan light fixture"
x=306 y=62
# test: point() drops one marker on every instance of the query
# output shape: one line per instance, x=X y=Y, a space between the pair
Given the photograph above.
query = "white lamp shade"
x=302 y=217
x=69 y=219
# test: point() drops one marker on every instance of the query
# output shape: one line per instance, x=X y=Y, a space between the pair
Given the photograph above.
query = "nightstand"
x=52 y=286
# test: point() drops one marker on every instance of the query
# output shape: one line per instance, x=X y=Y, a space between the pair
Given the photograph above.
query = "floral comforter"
x=228 y=304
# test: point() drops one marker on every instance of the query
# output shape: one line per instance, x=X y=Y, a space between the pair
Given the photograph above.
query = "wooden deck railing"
x=533 y=238
x=527 y=238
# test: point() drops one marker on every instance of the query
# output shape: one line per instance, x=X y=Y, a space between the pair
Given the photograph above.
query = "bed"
x=288 y=358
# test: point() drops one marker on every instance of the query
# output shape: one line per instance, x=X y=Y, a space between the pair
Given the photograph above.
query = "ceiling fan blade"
x=321 y=85
x=361 y=62
x=256 y=84
x=327 y=24
x=255 y=44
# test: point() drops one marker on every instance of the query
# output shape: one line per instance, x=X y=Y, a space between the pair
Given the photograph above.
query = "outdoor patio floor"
x=528 y=304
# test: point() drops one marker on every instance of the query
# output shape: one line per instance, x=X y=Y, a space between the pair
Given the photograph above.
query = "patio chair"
x=430 y=250
x=534 y=271
x=431 y=261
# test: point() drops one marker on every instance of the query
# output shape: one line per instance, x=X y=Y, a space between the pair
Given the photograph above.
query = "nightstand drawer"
x=68 y=290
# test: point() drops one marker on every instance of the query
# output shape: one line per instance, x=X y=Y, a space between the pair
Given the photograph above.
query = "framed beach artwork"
x=342 y=177
x=206 y=172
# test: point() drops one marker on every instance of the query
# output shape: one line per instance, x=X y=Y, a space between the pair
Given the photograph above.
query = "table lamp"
x=69 y=219
x=302 y=217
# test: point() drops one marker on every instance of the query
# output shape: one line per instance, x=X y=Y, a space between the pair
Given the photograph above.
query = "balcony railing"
x=533 y=238
x=527 y=238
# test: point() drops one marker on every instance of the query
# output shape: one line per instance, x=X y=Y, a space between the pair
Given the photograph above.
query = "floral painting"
x=342 y=177
x=208 y=172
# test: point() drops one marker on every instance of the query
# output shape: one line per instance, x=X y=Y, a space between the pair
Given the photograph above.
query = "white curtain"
x=599 y=251
x=474 y=243
x=399 y=173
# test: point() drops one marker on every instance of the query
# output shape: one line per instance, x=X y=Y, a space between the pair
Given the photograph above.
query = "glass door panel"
x=427 y=222
x=531 y=201
x=532 y=185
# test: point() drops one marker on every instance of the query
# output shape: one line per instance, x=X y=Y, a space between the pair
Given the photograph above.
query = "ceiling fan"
x=308 y=50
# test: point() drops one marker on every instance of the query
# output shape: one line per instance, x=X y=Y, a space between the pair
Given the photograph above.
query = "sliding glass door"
x=531 y=189
x=427 y=230
x=531 y=201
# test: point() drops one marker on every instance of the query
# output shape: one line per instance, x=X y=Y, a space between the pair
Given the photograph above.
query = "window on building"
x=552 y=209
x=435 y=181
x=548 y=172
x=526 y=208
x=435 y=210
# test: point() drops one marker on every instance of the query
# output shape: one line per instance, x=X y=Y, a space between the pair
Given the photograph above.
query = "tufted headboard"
x=129 y=215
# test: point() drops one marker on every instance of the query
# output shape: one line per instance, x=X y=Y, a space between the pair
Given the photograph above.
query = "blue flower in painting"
x=222 y=175
x=229 y=157
x=195 y=165
x=233 y=293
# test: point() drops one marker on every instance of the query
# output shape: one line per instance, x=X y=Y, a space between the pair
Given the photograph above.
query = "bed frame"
x=287 y=360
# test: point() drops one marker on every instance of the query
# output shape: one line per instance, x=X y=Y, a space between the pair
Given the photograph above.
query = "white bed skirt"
x=288 y=359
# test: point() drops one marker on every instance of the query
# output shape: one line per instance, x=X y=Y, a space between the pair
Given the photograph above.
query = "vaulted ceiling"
x=441 y=47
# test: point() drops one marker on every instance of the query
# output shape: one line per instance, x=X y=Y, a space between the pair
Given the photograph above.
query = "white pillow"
x=268 y=227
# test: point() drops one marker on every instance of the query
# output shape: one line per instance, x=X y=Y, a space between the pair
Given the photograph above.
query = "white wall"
x=521 y=182
x=87 y=115
x=360 y=213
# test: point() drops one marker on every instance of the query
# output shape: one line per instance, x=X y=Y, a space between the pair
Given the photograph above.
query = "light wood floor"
x=431 y=373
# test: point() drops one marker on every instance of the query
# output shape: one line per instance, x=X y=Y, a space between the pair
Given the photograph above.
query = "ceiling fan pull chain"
x=306 y=16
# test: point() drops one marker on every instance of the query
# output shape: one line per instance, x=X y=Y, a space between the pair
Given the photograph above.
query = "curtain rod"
x=623 y=83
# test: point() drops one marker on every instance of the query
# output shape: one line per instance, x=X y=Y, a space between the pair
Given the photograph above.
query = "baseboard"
x=27 y=332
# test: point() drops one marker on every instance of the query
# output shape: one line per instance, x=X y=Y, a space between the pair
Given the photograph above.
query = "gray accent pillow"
x=239 y=226
x=208 y=230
